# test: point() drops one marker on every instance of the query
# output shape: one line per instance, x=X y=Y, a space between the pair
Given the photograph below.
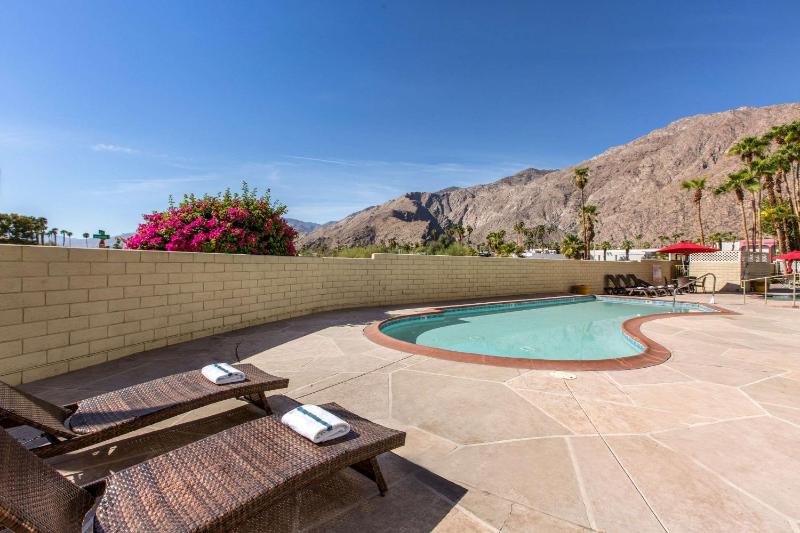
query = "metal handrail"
x=795 y=278
x=793 y=274
x=694 y=282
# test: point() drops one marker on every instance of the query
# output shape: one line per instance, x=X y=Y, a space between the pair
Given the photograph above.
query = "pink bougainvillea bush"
x=225 y=223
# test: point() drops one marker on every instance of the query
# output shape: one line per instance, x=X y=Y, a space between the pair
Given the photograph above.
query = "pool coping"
x=653 y=353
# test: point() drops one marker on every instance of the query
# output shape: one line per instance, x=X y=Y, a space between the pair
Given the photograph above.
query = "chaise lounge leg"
x=371 y=469
x=262 y=396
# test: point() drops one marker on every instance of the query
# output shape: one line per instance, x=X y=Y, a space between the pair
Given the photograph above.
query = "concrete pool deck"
x=709 y=440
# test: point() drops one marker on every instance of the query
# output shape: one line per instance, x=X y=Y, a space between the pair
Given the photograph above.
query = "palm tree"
x=469 y=229
x=792 y=153
x=495 y=240
x=754 y=187
x=589 y=212
x=69 y=236
x=581 y=180
x=63 y=237
x=627 y=245
x=775 y=215
x=662 y=239
x=86 y=236
x=677 y=236
x=571 y=246
x=605 y=246
x=716 y=238
x=53 y=233
x=749 y=148
x=458 y=231
x=736 y=183
x=767 y=169
x=697 y=186
x=41 y=229
x=782 y=166
x=519 y=228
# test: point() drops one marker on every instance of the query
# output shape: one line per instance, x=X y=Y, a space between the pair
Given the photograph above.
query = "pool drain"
x=563 y=375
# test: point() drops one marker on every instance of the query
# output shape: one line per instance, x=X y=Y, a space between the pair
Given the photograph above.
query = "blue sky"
x=108 y=107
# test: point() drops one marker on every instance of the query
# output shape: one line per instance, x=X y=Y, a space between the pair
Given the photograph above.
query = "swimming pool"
x=587 y=328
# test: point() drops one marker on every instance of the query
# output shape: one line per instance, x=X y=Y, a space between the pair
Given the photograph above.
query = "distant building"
x=636 y=254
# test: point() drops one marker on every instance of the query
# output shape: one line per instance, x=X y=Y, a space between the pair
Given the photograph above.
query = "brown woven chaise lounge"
x=105 y=416
x=214 y=484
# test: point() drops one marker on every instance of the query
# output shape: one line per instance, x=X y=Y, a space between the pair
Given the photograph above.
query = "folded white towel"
x=222 y=374
x=315 y=423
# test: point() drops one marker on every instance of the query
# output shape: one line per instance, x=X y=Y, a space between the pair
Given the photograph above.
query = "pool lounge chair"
x=619 y=284
x=654 y=290
x=214 y=484
x=102 y=417
x=661 y=290
x=610 y=284
x=635 y=287
x=631 y=289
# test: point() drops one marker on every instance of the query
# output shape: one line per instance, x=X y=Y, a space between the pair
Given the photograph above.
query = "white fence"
x=732 y=256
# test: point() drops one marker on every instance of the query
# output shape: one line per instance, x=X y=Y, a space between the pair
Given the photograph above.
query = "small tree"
x=86 y=238
x=571 y=246
x=627 y=245
x=605 y=246
x=495 y=240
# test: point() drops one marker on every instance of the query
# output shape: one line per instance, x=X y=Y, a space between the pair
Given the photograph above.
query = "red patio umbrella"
x=687 y=248
x=789 y=257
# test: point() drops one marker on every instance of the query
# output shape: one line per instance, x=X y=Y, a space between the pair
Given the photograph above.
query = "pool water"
x=584 y=328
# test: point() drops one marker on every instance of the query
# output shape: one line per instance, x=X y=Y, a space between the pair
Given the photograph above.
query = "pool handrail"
x=688 y=284
x=795 y=278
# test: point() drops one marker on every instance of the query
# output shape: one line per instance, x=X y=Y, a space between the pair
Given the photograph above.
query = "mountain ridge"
x=636 y=187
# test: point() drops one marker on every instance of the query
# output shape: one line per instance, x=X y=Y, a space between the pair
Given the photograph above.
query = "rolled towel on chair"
x=315 y=423
x=222 y=373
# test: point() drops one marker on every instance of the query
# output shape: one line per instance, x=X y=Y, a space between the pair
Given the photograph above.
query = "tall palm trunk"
x=698 y=197
x=794 y=199
x=760 y=227
x=583 y=229
x=740 y=199
x=780 y=226
x=787 y=224
x=755 y=218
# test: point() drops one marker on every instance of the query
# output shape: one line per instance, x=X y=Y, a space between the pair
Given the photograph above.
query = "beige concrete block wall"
x=729 y=273
x=63 y=309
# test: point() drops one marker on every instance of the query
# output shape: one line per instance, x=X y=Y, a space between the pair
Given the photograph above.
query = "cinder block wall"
x=729 y=273
x=63 y=309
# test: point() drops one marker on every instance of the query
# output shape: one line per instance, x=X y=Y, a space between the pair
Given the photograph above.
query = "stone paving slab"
x=707 y=441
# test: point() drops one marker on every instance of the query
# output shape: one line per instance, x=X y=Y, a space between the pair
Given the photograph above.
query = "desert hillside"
x=636 y=187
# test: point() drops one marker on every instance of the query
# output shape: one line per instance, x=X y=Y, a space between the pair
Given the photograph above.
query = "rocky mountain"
x=302 y=226
x=636 y=188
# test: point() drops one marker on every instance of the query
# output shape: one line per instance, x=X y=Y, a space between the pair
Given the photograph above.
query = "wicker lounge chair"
x=213 y=484
x=102 y=417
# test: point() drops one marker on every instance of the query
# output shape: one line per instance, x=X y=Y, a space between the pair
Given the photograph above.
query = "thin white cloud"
x=342 y=162
x=102 y=147
x=433 y=168
x=147 y=185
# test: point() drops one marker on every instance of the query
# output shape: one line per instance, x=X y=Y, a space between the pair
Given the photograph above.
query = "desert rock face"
x=636 y=188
